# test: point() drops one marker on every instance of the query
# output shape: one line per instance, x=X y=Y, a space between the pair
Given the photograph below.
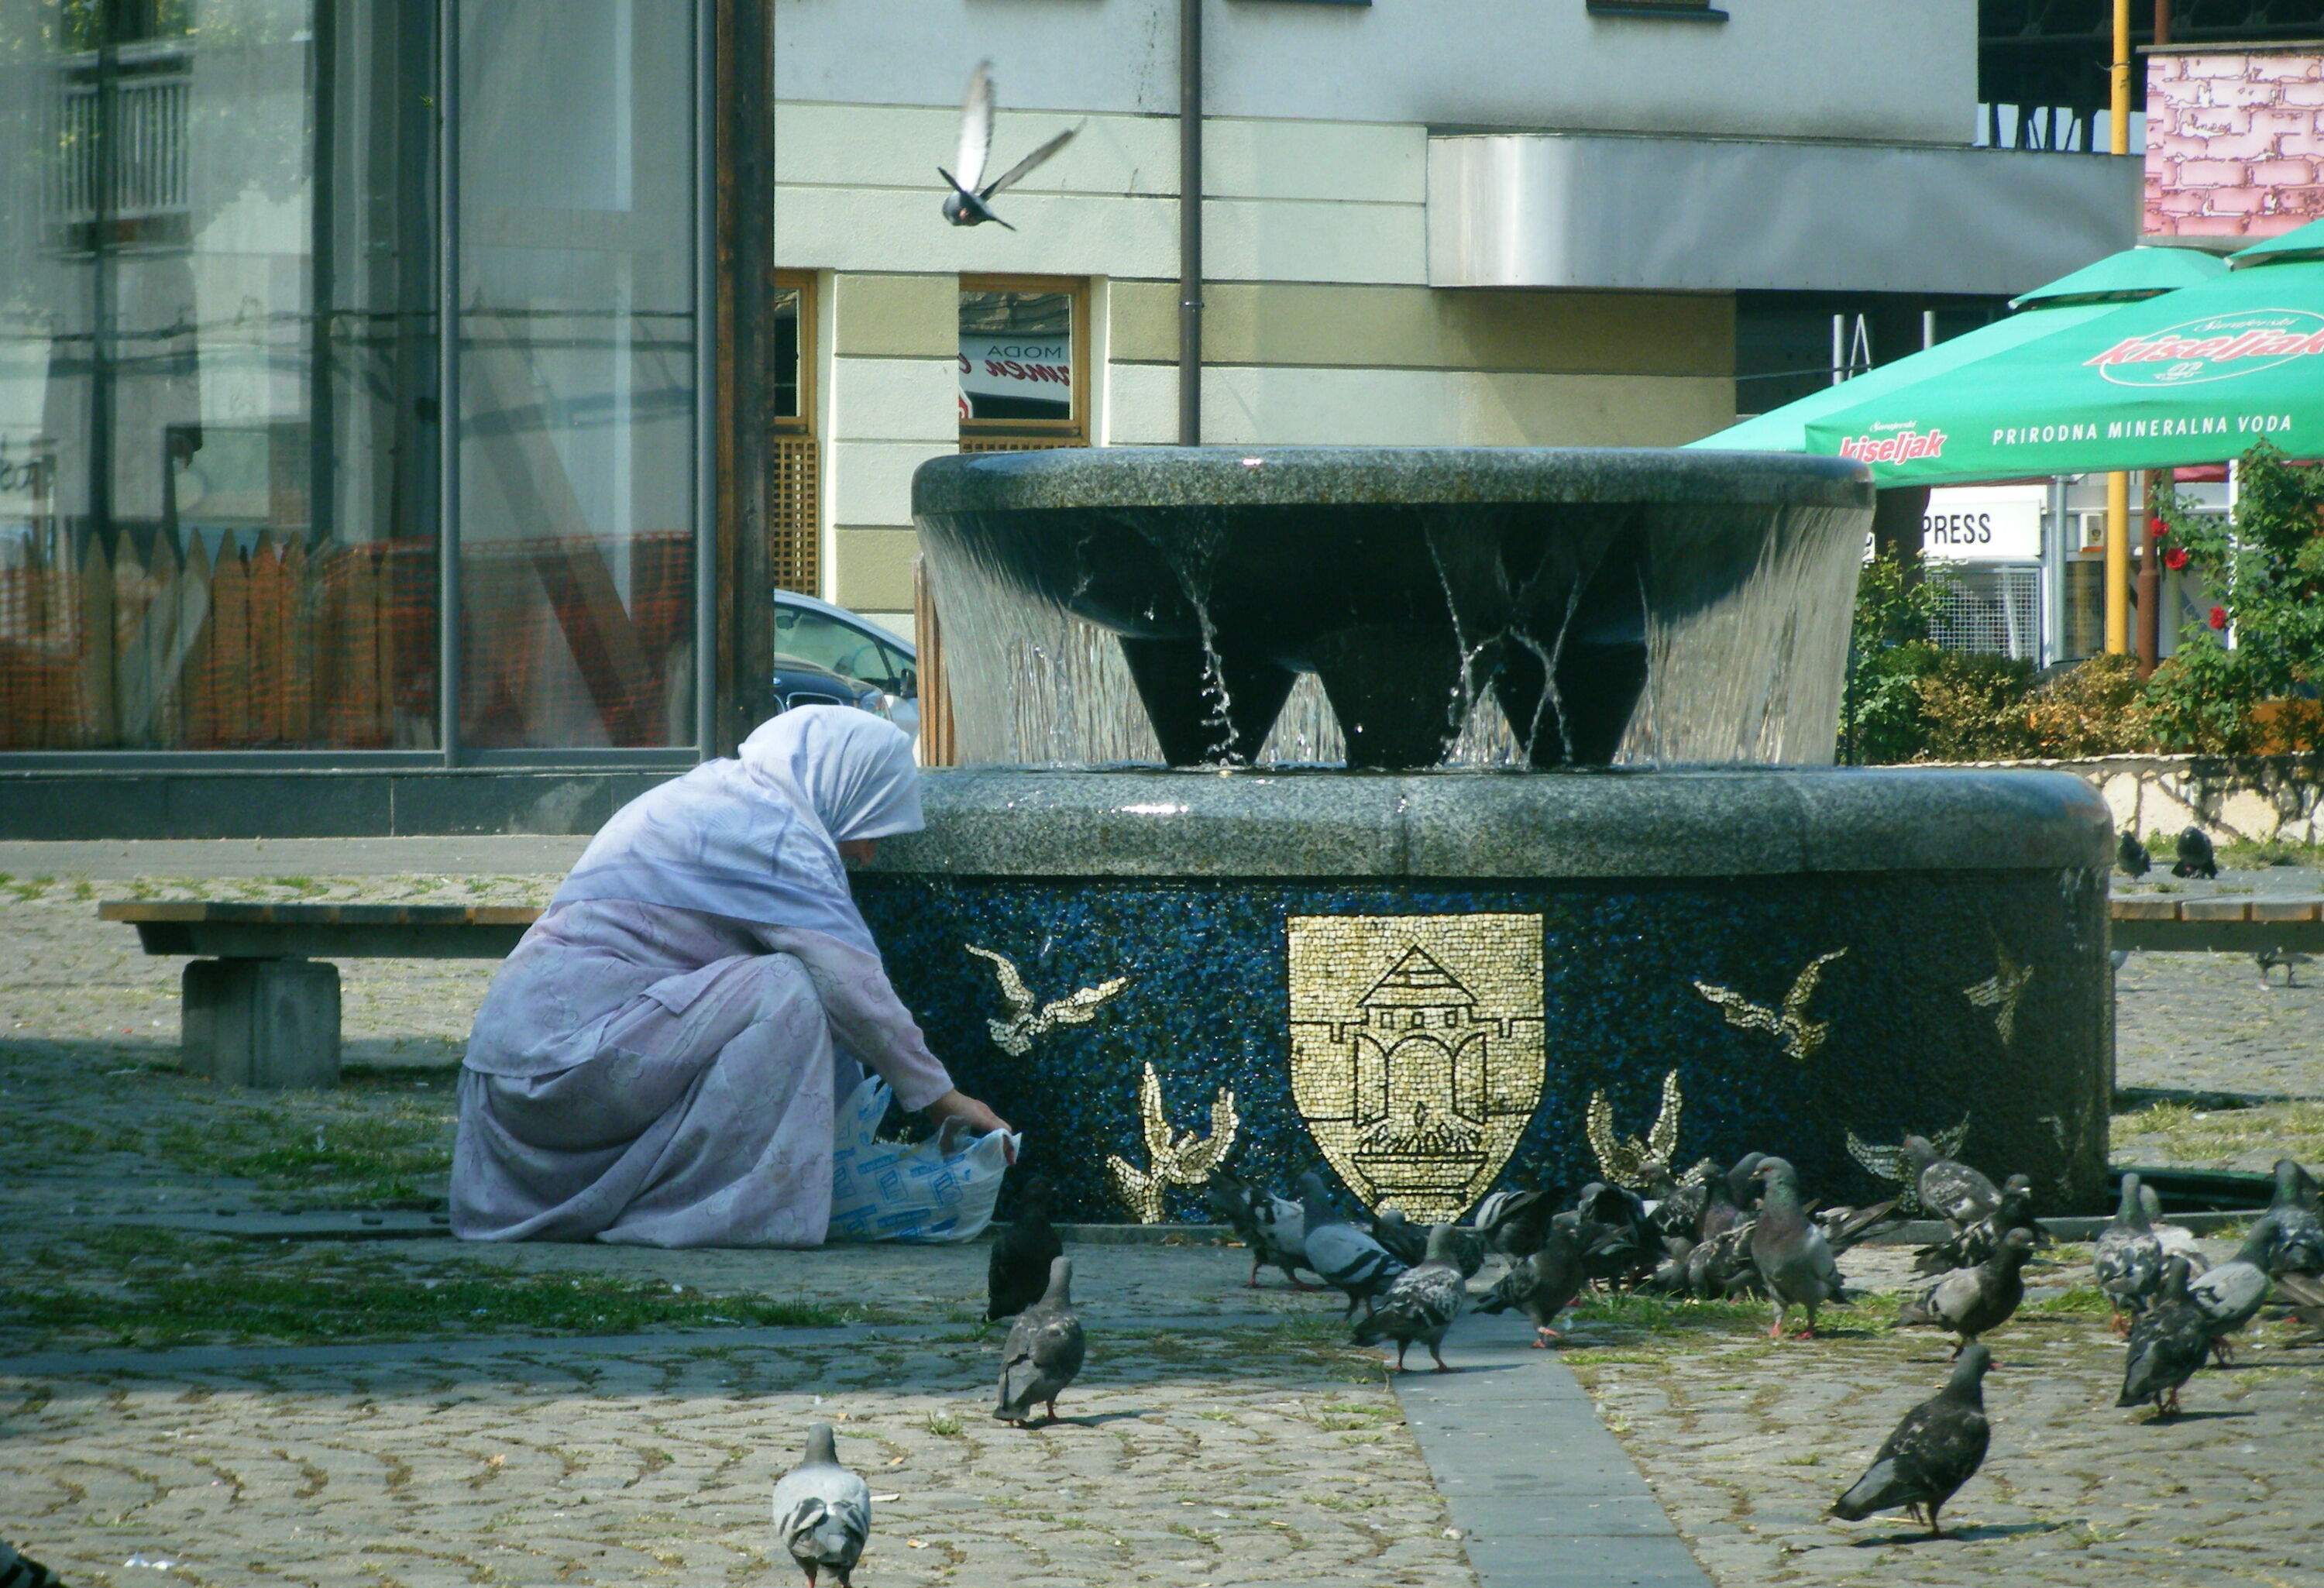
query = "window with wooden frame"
x=1024 y=363
x=793 y=560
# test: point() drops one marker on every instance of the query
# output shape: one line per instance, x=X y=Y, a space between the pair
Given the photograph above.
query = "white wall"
x=1884 y=70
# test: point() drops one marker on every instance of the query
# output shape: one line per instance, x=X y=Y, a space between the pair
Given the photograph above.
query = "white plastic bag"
x=919 y=1191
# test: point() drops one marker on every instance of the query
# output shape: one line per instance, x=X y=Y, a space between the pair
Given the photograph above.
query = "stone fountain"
x=1664 y=924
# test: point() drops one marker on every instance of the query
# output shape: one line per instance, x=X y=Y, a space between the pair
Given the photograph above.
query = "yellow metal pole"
x=2117 y=565
x=2117 y=543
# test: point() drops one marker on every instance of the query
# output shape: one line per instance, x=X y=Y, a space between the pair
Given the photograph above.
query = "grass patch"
x=2247 y=855
x=2181 y=1132
x=393 y=1148
x=146 y=1287
x=1632 y=1312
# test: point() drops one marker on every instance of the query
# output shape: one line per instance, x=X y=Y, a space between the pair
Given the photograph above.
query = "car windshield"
x=822 y=641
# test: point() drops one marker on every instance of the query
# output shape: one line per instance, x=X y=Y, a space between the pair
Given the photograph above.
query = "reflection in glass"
x=1016 y=356
x=215 y=530
x=576 y=378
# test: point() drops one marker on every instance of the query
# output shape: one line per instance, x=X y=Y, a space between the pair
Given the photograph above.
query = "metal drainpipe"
x=1190 y=222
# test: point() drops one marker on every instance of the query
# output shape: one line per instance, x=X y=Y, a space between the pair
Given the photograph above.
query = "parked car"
x=828 y=655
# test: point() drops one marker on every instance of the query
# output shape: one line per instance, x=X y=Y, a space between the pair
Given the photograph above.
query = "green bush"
x=2097 y=708
x=1975 y=708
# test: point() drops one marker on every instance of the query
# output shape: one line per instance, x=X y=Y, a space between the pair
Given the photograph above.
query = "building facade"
x=396 y=434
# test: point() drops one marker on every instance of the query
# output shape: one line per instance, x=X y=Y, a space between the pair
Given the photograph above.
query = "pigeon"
x=1972 y=1302
x=1677 y=1206
x=969 y=205
x=2291 y=959
x=2230 y=1295
x=2304 y=1294
x=1405 y=1241
x=1722 y=1206
x=2167 y=1344
x=2127 y=1259
x=2131 y=855
x=1026 y=1023
x=1343 y=1256
x=1952 y=1190
x=2196 y=857
x=2118 y=957
x=1793 y=1260
x=1541 y=1287
x=1972 y=1244
x=2300 y=1232
x=22 y=1571
x=2176 y=1240
x=1272 y=1228
x=822 y=1511
x=1044 y=1351
x=1422 y=1303
x=1936 y=1449
x=1019 y=1270
x=1514 y=1223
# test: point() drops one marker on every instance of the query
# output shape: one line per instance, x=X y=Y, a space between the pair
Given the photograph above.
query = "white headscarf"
x=757 y=838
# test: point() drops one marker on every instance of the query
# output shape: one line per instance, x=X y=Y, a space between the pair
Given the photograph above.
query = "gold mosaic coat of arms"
x=1417 y=1050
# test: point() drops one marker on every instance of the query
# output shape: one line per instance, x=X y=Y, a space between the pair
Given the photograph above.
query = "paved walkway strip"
x=1542 y=1493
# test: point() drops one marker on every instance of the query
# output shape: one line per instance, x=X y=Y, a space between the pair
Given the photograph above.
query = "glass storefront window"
x=216 y=510
x=1017 y=352
x=576 y=342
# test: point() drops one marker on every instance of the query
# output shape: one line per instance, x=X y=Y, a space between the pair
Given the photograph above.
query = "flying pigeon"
x=2127 y=1259
x=1541 y=1287
x=1044 y=1351
x=1974 y=1242
x=1972 y=1302
x=1802 y=1038
x=1018 y=1269
x=2131 y=855
x=1421 y=1304
x=1273 y=1229
x=1343 y=1256
x=1025 y=1025
x=2291 y=959
x=822 y=1511
x=2196 y=857
x=969 y=205
x=2230 y=1295
x=1793 y=1260
x=2300 y=1232
x=1936 y=1449
x=2167 y=1344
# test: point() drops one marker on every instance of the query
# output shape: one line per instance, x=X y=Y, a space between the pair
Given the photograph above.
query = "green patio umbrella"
x=2198 y=375
x=2093 y=289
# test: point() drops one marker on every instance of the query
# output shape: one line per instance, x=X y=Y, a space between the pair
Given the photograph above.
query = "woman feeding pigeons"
x=659 y=1062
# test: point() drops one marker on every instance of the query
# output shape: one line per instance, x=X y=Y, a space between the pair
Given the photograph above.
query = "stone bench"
x=261 y=1007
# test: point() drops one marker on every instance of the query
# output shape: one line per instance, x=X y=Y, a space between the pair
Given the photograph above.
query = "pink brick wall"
x=2234 y=143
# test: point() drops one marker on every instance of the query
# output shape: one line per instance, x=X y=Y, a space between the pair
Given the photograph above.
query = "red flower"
x=2219 y=617
x=2175 y=559
x=2158 y=529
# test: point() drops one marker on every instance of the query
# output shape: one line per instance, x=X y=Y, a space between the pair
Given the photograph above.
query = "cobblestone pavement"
x=490 y=1461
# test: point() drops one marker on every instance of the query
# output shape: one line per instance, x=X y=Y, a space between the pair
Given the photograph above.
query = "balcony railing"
x=121 y=156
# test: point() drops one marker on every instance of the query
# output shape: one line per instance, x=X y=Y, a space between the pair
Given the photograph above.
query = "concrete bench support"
x=269 y=1023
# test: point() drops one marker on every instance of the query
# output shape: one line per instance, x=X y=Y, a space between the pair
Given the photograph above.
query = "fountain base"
x=1424 y=979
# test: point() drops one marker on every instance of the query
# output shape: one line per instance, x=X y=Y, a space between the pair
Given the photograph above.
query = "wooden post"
x=744 y=318
x=939 y=745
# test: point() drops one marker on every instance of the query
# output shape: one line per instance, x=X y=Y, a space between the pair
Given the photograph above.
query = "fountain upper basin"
x=1633 y=603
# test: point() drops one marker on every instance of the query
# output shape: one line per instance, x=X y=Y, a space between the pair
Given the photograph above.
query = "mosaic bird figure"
x=1541 y=1286
x=822 y=1511
x=1043 y=1351
x=1972 y=1244
x=1974 y=1301
x=1421 y=1304
x=2196 y=856
x=1937 y=1448
x=2230 y=1295
x=1625 y=1159
x=2131 y=857
x=2289 y=960
x=2001 y=991
x=968 y=204
x=1017 y=1271
x=1793 y=1258
x=2167 y=1345
x=1172 y=1159
x=2126 y=1259
x=1026 y=1024
x=1802 y=1039
x=1899 y=1167
x=2300 y=1243
x=1273 y=1229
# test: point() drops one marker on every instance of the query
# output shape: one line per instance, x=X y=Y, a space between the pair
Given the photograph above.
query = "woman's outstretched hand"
x=956 y=1105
